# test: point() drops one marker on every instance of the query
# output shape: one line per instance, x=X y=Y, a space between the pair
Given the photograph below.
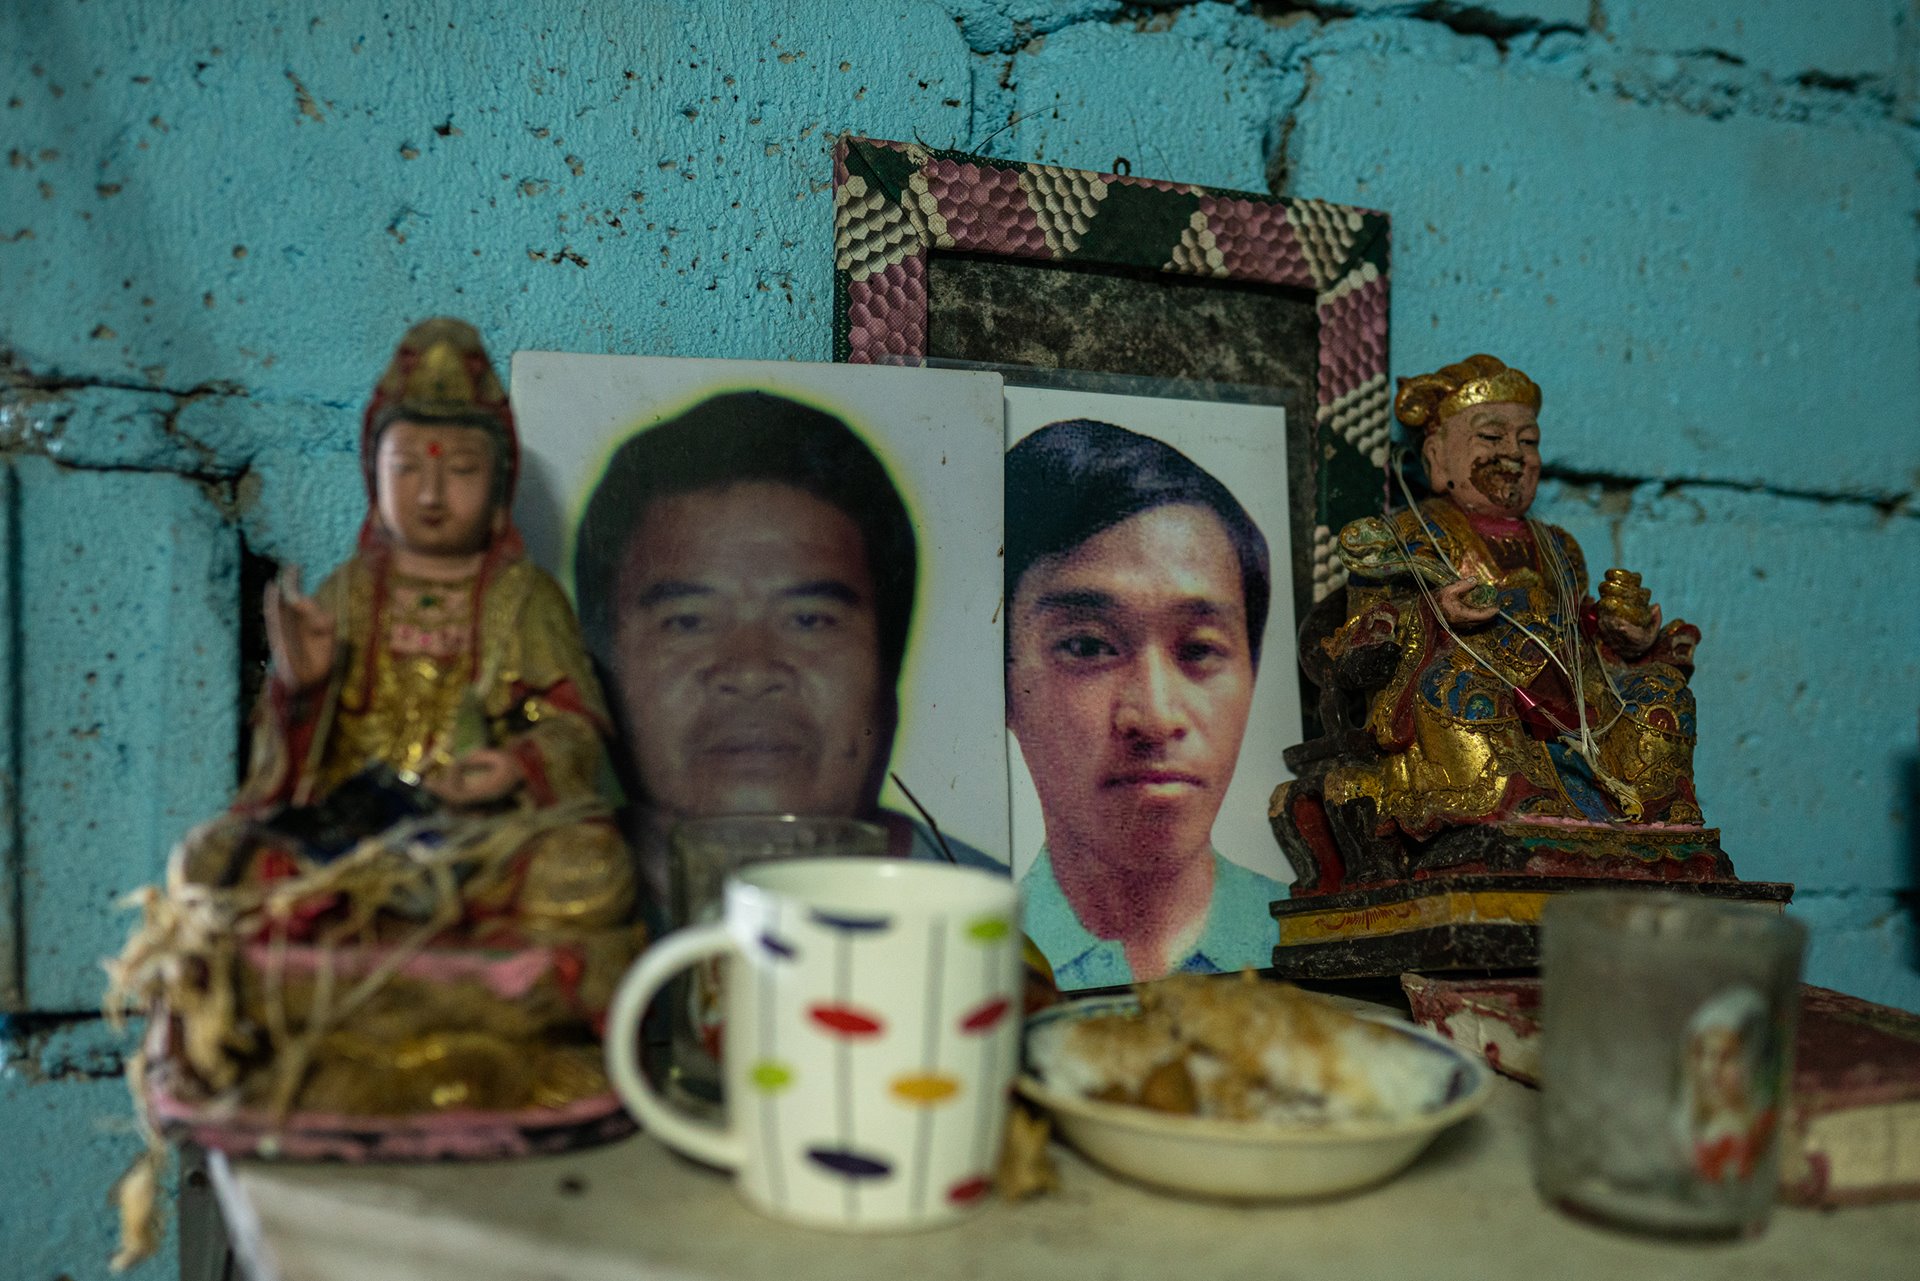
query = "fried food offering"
x=1026 y=1169
x=1250 y=1050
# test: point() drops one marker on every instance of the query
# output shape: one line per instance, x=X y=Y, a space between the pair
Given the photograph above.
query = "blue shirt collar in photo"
x=1239 y=931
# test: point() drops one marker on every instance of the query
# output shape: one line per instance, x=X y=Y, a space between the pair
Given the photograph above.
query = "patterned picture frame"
x=896 y=203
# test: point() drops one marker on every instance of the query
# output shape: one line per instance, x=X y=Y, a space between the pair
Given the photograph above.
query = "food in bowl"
x=1253 y=1090
x=1240 y=1051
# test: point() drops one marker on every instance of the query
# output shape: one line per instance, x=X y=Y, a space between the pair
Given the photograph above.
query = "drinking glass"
x=1667 y=1028
x=703 y=854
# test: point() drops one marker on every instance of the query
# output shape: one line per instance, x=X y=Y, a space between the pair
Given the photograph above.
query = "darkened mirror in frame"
x=1234 y=341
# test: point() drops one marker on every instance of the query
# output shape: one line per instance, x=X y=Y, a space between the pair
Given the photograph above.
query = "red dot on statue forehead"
x=433 y=449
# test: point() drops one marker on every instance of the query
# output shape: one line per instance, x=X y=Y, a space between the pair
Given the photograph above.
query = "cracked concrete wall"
x=69 y=1134
x=1693 y=222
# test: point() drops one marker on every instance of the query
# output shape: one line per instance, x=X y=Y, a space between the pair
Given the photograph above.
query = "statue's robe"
x=1470 y=724
x=498 y=663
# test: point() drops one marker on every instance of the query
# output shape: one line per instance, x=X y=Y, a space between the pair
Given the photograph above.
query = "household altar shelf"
x=633 y=1211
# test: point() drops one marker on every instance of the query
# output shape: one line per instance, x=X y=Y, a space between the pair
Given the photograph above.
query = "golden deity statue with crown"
x=1493 y=724
x=400 y=938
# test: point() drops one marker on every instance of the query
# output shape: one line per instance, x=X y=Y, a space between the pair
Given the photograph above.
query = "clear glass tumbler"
x=702 y=854
x=1667 y=1029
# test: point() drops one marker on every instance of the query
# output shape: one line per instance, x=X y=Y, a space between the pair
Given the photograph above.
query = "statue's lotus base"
x=1451 y=921
x=471 y=1134
x=446 y=1053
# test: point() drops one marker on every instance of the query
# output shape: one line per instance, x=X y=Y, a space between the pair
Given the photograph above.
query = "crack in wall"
x=40 y=1048
x=1480 y=22
x=1803 y=94
x=221 y=487
x=1469 y=20
x=35 y=408
x=13 y=376
x=1887 y=505
x=1277 y=165
x=224 y=484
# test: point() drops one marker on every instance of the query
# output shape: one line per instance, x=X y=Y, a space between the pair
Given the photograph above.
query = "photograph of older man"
x=746 y=574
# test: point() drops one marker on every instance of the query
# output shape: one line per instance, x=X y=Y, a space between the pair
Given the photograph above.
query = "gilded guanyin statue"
x=438 y=668
x=398 y=940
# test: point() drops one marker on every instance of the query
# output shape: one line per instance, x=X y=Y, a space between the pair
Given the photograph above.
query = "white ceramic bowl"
x=1249 y=1160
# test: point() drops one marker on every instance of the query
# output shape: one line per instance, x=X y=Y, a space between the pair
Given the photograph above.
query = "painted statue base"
x=470 y=1134
x=384 y=1053
x=1450 y=921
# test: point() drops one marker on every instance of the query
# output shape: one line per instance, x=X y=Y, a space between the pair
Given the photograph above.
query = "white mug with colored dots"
x=873 y=1015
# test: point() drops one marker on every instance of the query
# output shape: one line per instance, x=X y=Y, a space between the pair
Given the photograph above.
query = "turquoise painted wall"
x=1693 y=222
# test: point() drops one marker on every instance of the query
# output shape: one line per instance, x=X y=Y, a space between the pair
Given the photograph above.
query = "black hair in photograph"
x=1072 y=479
x=732 y=439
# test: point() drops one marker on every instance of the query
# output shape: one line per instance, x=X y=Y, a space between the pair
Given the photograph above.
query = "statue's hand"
x=300 y=634
x=1629 y=640
x=1458 y=610
x=480 y=777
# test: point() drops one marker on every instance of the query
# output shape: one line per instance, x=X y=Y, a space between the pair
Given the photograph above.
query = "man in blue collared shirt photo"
x=1137 y=590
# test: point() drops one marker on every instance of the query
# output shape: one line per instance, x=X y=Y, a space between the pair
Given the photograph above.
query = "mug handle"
x=680 y=950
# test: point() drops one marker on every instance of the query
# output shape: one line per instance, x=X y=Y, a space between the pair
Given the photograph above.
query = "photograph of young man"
x=1138 y=591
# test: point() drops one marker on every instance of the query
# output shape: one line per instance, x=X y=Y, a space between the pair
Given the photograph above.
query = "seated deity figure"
x=435 y=678
x=400 y=939
x=1497 y=690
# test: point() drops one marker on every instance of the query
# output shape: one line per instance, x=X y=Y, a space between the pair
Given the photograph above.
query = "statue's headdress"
x=1425 y=402
x=440 y=373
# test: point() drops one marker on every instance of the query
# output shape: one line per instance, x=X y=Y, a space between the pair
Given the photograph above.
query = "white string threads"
x=1564 y=651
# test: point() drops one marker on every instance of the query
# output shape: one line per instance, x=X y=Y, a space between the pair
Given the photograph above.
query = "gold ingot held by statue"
x=1622 y=596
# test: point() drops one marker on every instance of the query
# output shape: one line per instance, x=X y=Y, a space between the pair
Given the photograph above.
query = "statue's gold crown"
x=1427 y=401
x=441 y=370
